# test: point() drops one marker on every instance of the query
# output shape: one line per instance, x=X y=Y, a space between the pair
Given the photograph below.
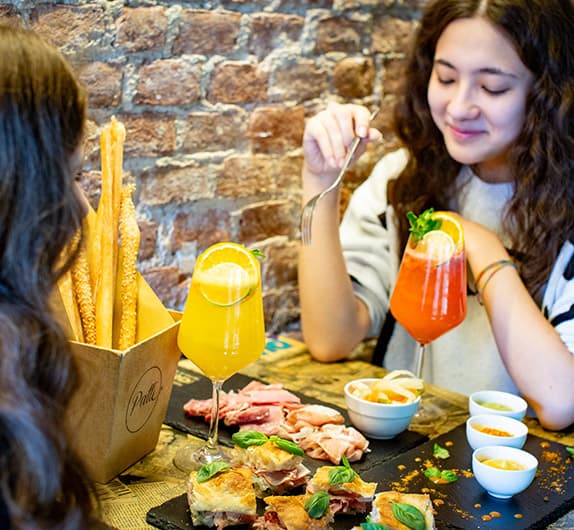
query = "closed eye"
x=495 y=92
x=445 y=81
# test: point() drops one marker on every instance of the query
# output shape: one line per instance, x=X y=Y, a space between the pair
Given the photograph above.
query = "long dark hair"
x=540 y=216
x=42 y=116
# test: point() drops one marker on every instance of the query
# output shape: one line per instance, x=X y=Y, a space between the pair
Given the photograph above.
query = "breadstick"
x=118 y=136
x=83 y=292
x=103 y=258
x=68 y=299
x=130 y=239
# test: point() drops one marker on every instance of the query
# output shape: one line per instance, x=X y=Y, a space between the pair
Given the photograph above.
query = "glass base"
x=428 y=417
x=194 y=455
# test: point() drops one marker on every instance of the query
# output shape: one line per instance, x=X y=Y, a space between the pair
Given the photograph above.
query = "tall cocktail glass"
x=429 y=297
x=221 y=331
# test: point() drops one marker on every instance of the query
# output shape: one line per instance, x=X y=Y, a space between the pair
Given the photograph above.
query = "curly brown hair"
x=42 y=119
x=539 y=217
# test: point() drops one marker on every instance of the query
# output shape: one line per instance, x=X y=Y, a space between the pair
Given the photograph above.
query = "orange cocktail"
x=429 y=298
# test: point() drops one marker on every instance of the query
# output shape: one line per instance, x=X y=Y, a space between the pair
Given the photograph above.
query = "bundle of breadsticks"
x=101 y=287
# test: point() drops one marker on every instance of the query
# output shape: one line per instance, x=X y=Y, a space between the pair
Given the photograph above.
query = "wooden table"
x=153 y=480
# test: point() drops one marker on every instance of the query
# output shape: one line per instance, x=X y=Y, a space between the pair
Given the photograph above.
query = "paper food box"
x=115 y=417
x=123 y=339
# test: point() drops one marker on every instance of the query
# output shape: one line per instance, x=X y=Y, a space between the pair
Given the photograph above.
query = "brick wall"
x=214 y=96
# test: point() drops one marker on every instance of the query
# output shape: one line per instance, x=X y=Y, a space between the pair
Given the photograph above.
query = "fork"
x=309 y=208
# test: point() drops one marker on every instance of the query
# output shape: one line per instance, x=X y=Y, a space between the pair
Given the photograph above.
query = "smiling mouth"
x=464 y=134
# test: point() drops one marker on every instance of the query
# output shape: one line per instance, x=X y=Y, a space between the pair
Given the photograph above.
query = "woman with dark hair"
x=486 y=126
x=42 y=115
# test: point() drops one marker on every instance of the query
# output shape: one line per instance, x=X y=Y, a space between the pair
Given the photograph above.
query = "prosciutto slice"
x=271 y=409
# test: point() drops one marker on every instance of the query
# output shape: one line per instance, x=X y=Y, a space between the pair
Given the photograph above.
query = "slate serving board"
x=461 y=504
x=381 y=450
x=398 y=464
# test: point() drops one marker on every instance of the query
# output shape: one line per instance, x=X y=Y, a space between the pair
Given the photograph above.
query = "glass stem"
x=420 y=361
x=214 y=422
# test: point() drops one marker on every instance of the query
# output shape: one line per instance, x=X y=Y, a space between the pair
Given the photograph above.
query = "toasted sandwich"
x=225 y=499
x=354 y=496
x=276 y=471
x=382 y=511
x=289 y=513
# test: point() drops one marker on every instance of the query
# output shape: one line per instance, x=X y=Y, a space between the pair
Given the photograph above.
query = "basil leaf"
x=246 y=438
x=448 y=475
x=204 y=473
x=341 y=475
x=409 y=515
x=570 y=450
x=287 y=445
x=432 y=472
x=440 y=452
x=317 y=504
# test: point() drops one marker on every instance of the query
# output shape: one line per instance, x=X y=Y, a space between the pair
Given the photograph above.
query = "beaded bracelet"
x=493 y=268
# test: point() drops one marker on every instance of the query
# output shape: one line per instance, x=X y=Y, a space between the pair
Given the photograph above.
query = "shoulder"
x=390 y=166
x=374 y=189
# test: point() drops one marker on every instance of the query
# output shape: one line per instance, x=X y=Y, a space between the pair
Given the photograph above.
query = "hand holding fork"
x=309 y=208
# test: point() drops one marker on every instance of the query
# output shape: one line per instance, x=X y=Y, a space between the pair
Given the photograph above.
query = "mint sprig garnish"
x=422 y=224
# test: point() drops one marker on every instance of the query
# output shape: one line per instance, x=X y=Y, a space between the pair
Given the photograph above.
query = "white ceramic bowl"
x=477 y=438
x=378 y=420
x=503 y=483
x=516 y=405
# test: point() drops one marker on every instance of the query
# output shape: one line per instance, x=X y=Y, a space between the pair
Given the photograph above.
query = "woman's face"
x=477 y=95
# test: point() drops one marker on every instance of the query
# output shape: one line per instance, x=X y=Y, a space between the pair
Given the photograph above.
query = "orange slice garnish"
x=226 y=274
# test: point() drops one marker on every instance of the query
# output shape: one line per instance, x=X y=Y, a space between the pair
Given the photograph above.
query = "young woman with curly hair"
x=486 y=124
x=42 y=115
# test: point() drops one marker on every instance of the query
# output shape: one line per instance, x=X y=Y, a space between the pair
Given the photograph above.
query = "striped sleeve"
x=558 y=301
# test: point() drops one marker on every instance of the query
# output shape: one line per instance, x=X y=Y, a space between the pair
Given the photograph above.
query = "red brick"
x=245 y=176
x=207 y=32
x=270 y=31
x=276 y=129
x=262 y=220
x=103 y=82
x=142 y=29
x=391 y=35
x=215 y=131
x=74 y=29
x=289 y=173
x=168 y=82
x=148 y=134
x=279 y=267
x=393 y=76
x=299 y=81
x=164 y=281
x=206 y=228
x=148 y=240
x=166 y=185
x=281 y=309
x=90 y=182
x=339 y=34
x=354 y=77
x=233 y=82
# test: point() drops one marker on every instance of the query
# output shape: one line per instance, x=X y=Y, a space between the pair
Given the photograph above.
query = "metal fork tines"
x=309 y=208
